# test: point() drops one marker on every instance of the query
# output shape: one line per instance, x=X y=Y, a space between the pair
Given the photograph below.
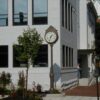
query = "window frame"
x=35 y=65
x=5 y=54
x=33 y=15
x=19 y=23
x=7 y=17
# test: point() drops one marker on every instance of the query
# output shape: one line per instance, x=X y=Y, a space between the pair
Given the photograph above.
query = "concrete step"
x=83 y=82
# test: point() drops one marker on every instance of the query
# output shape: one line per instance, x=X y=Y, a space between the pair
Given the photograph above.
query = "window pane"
x=3 y=56
x=66 y=56
x=63 y=56
x=40 y=11
x=3 y=12
x=69 y=16
x=20 y=12
x=42 y=57
x=62 y=12
x=16 y=54
x=66 y=13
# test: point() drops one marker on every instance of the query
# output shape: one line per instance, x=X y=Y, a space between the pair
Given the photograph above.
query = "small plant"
x=21 y=81
x=21 y=84
x=55 y=91
x=39 y=88
x=5 y=79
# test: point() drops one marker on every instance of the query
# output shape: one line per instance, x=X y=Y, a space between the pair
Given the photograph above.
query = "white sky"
x=97 y=6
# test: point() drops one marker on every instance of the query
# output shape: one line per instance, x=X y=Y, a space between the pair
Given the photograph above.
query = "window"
x=69 y=16
x=40 y=11
x=16 y=54
x=20 y=12
x=66 y=13
x=71 y=19
x=3 y=12
x=63 y=56
x=3 y=56
x=66 y=56
x=70 y=57
x=63 y=13
x=42 y=57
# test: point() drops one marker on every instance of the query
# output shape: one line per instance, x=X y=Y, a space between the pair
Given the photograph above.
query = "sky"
x=97 y=6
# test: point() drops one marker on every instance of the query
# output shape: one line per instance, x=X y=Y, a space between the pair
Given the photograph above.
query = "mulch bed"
x=83 y=91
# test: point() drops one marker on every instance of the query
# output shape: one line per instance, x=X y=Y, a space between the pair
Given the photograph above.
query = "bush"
x=4 y=91
x=55 y=91
x=39 y=88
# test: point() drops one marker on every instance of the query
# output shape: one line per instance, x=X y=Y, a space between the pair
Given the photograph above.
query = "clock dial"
x=51 y=37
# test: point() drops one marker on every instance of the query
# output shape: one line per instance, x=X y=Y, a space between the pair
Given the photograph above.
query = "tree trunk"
x=26 y=79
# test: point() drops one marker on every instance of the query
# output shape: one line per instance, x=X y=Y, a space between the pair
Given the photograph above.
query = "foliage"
x=5 y=79
x=30 y=42
x=55 y=91
x=21 y=81
x=4 y=91
x=39 y=88
x=97 y=39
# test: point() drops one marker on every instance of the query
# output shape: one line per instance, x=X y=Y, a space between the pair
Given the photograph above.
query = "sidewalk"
x=77 y=93
x=83 y=91
x=62 y=97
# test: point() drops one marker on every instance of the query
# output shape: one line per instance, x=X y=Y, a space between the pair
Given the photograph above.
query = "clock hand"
x=50 y=38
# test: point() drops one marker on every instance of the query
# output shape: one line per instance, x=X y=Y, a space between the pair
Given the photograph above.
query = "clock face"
x=51 y=37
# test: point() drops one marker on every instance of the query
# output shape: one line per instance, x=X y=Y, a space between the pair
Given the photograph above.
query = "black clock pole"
x=51 y=70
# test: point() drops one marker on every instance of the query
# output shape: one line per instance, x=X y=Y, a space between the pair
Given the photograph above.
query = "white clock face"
x=51 y=37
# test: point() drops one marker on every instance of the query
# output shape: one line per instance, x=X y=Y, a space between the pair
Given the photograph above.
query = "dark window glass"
x=69 y=57
x=40 y=11
x=66 y=13
x=3 y=12
x=16 y=61
x=69 y=16
x=72 y=57
x=66 y=56
x=63 y=56
x=42 y=57
x=3 y=56
x=20 y=12
x=71 y=20
x=62 y=12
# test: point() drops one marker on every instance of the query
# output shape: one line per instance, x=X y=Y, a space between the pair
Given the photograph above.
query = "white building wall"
x=9 y=34
x=87 y=39
x=83 y=24
x=69 y=39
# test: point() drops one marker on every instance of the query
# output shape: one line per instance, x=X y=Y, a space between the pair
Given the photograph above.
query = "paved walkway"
x=77 y=93
x=62 y=97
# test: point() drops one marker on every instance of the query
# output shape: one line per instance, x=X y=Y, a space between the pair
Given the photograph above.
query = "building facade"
x=86 y=39
x=17 y=15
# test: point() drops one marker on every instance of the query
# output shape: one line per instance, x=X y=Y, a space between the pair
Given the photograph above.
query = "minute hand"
x=50 y=38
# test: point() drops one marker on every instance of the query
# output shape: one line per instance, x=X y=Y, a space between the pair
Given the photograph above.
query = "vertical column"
x=30 y=12
x=10 y=8
x=49 y=56
x=10 y=56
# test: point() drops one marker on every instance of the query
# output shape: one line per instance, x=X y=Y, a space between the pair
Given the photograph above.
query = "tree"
x=97 y=39
x=29 y=42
